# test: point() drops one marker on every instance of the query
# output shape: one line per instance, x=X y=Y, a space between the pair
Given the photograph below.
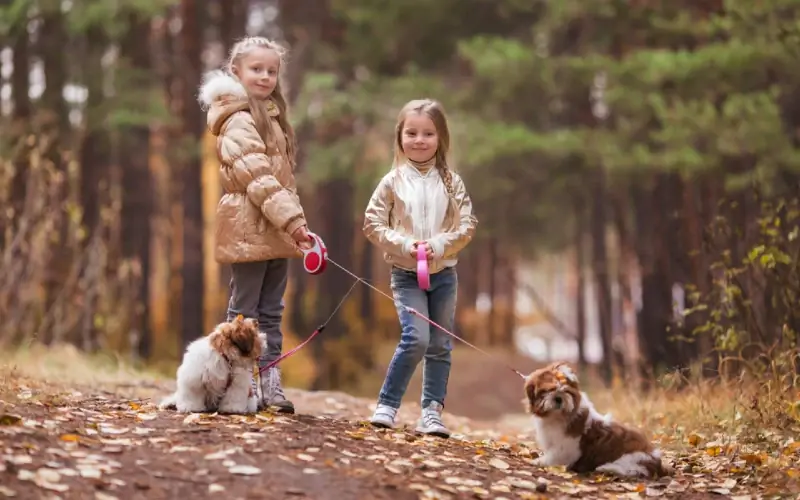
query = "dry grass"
x=64 y=366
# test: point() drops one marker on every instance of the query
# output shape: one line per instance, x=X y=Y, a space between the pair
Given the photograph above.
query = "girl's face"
x=418 y=137
x=258 y=71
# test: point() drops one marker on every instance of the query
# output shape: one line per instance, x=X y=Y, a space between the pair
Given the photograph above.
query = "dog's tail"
x=169 y=402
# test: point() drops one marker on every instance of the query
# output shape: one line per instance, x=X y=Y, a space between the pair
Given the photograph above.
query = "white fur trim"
x=218 y=83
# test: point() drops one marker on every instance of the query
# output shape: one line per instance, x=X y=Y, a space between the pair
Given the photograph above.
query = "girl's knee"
x=440 y=346
x=414 y=340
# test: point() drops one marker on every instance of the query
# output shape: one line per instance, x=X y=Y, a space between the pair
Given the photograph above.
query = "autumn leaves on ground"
x=71 y=428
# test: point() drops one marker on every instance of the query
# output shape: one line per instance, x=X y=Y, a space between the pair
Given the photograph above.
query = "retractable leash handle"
x=423 y=275
x=315 y=259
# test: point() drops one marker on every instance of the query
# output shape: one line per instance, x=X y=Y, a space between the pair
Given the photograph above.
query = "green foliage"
x=751 y=309
x=13 y=14
x=111 y=16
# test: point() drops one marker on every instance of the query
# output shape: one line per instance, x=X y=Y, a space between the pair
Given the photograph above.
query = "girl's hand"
x=301 y=237
x=428 y=249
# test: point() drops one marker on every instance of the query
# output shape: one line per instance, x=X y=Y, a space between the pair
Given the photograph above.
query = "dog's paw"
x=252 y=404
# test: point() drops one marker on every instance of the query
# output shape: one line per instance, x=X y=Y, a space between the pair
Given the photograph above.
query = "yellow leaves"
x=70 y=438
x=134 y=406
x=713 y=451
x=791 y=448
x=793 y=473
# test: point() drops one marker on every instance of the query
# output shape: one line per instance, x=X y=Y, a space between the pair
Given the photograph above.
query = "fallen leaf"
x=70 y=438
x=498 y=464
x=99 y=495
x=244 y=470
x=305 y=458
x=192 y=418
x=7 y=492
x=215 y=488
x=90 y=472
x=310 y=471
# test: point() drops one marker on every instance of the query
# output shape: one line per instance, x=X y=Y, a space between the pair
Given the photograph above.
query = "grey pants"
x=257 y=290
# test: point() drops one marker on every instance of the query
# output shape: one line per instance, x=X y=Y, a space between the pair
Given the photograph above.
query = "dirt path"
x=93 y=443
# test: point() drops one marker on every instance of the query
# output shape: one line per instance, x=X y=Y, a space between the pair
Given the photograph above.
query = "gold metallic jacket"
x=410 y=205
x=259 y=208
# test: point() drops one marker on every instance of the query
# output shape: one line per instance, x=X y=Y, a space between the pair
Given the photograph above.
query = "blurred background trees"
x=634 y=167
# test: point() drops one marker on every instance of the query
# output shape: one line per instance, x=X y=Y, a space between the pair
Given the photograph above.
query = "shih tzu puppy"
x=216 y=371
x=570 y=432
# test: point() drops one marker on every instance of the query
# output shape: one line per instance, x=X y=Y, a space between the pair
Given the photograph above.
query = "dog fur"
x=216 y=371
x=572 y=433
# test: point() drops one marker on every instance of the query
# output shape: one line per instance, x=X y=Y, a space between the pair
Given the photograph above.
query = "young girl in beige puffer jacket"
x=260 y=222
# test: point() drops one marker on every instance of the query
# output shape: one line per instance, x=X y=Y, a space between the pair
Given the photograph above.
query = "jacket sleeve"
x=450 y=243
x=243 y=152
x=376 y=221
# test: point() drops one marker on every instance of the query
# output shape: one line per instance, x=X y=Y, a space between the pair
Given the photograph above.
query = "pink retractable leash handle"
x=423 y=276
x=315 y=259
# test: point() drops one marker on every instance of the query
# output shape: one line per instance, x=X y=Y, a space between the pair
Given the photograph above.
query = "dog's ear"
x=530 y=394
x=530 y=388
x=244 y=340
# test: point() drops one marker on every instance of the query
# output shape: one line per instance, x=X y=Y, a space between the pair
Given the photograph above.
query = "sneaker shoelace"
x=386 y=411
x=275 y=387
x=432 y=418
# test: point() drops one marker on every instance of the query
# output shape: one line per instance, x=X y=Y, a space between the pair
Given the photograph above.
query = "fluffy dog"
x=572 y=433
x=216 y=371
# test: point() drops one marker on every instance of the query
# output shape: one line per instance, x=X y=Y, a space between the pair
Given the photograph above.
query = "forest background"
x=634 y=168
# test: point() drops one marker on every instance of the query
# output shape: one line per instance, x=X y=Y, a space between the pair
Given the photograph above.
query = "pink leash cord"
x=314 y=260
x=428 y=320
x=310 y=337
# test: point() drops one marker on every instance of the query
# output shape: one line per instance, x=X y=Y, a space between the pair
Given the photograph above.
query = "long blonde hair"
x=435 y=111
x=258 y=108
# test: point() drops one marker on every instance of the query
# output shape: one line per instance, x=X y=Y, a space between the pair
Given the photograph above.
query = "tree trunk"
x=600 y=270
x=580 y=269
x=510 y=323
x=137 y=201
x=55 y=128
x=626 y=262
x=193 y=124
x=21 y=115
x=491 y=269
x=233 y=22
x=95 y=162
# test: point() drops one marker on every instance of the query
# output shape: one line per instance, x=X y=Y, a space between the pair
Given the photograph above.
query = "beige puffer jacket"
x=259 y=208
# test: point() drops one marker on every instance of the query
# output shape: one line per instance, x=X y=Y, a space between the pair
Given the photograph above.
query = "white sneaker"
x=431 y=421
x=384 y=416
x=272 y=392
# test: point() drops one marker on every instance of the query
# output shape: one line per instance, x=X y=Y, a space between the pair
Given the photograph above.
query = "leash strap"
x=310 y=337
x=425 y=318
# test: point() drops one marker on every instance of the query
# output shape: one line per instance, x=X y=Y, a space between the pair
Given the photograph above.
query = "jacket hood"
x=222 y=95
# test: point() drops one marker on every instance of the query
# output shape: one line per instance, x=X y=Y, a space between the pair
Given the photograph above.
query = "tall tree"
x=137 y=198
x=191 y=50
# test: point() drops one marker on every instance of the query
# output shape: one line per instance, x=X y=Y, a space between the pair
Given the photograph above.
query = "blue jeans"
x=419 y=339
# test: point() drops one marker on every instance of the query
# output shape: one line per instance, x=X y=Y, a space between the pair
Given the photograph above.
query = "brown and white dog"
x=217 y=369
x=570 y=432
